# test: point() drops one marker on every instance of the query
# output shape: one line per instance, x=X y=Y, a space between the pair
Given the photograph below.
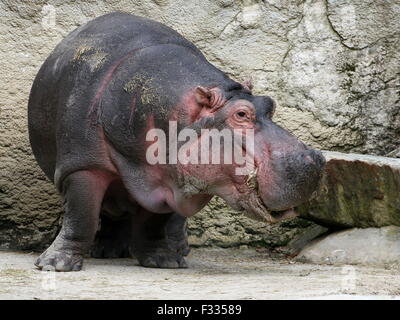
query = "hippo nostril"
x=308 y=158
x=311 y=157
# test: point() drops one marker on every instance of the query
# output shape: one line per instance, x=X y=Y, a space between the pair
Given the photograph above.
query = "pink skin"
x=158 y=191
x=133 y=107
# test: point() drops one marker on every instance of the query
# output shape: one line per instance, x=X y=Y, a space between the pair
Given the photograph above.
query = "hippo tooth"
x=251 y=181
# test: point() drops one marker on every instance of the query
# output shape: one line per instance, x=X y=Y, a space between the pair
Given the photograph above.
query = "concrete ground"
x=212 y=274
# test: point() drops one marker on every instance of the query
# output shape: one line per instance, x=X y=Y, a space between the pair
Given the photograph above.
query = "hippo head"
x=283 y=171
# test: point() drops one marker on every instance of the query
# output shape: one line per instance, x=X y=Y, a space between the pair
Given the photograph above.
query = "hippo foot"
x=166 y=253
x=161 y=258
x=107 y=248
x=161 y=241
x=59 y=260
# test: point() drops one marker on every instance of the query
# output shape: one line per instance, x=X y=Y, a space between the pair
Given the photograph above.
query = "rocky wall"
x=332 y=66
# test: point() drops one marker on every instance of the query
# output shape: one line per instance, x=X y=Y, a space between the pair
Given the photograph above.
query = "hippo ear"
x=203 y=96
x=247 y=84
x=210 y=98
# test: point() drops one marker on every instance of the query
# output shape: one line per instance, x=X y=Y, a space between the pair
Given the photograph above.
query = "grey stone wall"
x=332 y=66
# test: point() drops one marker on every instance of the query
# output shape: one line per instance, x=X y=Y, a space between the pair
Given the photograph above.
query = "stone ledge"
x=356 y=191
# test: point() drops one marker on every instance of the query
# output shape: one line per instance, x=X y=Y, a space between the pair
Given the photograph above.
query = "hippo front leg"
x=83 y=193
x=160 y=240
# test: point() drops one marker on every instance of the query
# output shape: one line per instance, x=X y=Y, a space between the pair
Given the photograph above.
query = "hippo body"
x=91 y=105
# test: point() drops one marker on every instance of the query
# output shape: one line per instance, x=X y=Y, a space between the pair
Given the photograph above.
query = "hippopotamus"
x=92 y=104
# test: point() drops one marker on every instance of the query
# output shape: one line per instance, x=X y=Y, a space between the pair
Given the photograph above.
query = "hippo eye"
x=241 y=115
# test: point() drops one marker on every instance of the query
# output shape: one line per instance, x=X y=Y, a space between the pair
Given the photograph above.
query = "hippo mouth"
x=253 y=206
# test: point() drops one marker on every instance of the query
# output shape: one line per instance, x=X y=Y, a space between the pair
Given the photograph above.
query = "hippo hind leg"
x=160 y=240
x=113 y=239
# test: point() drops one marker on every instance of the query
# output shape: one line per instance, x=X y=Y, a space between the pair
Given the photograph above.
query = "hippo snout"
x=295 y=176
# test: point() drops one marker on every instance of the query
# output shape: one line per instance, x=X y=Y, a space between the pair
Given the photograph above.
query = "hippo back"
x=88 y=79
